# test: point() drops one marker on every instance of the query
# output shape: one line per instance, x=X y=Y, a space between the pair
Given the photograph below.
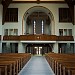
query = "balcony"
x=65 y=38
x=11 y=38
x=38 y=37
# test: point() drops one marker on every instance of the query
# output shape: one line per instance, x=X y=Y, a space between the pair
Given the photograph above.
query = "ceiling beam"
x=5 y=4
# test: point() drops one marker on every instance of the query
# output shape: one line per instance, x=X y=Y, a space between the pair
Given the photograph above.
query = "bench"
x=12 y=63
x=61 y=64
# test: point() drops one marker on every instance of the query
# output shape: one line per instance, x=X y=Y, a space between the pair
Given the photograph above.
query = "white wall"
x=22 y=8
x=1 y=7
x=55 y=48
x=21 y=48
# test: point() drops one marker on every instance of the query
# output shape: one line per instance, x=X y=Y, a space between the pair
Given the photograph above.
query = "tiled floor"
x=37 y=65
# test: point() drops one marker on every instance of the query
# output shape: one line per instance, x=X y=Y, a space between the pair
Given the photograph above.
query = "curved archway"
x=38 y=9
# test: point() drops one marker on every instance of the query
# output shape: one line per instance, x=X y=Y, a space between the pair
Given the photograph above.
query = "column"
x=21 y=48
x=55 y=48
x=74 y=29
x=1 y=7
x=74 y=23
x=25 y=47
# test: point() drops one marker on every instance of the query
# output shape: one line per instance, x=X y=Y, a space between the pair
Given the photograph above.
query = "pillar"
x=74 y=24
x=21 y=48
x=55 y=48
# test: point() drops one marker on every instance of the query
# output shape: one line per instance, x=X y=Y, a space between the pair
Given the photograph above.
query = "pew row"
x=61 y=64
x=12 y=63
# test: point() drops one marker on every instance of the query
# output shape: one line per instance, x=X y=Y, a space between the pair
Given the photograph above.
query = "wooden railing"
x=38 y=37
x=65 y=38
x=11 y=38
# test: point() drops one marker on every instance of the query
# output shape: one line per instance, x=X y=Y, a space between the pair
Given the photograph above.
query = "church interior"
x=37 y=37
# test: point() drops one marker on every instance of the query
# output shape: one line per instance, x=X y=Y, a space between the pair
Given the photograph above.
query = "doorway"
x=38 y=50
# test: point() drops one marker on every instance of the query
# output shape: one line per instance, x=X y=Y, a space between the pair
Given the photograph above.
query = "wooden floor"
x=37 y=65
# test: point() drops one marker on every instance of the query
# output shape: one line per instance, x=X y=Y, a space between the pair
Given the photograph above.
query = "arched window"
x=42 y=26
x=34 y=26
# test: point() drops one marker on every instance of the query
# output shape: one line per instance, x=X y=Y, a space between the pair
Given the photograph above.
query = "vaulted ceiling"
x=6 y=3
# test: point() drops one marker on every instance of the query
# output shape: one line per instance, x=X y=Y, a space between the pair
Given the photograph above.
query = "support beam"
x=5 y=6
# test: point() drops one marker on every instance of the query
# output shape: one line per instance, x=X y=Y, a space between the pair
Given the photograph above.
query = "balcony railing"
x=65 y=38
x=11 y=38
x=38 y=37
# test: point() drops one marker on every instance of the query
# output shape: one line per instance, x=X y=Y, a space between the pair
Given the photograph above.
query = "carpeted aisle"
x=37 y=65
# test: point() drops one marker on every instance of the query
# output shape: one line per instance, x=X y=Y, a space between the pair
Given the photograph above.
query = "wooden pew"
x=9 y=66
x=3 y=70
x=64 y=67
x=13 y=61
x=15 y=64
x=22 y=56
x=61 y=64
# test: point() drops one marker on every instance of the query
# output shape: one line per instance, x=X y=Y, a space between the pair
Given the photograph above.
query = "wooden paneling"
x=64 y=15
x=13 y=38
x=65 y=38
x=11 y=15
x=39 y=37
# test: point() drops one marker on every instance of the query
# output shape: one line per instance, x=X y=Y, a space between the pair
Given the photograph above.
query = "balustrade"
x=38 y=37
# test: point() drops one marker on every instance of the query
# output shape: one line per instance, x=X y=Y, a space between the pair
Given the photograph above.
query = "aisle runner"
x=37 y=66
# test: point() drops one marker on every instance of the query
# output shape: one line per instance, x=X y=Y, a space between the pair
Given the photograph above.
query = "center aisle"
x=37 y=65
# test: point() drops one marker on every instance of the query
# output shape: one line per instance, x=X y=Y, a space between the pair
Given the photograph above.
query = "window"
x=64 y=15
x=34 y=27
x=5 y=31
x=42 y=26
x=10 y=31
x=65 y=32
x=15 y=31
x=11 y=15
x=70 y=32
x=60 y=32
